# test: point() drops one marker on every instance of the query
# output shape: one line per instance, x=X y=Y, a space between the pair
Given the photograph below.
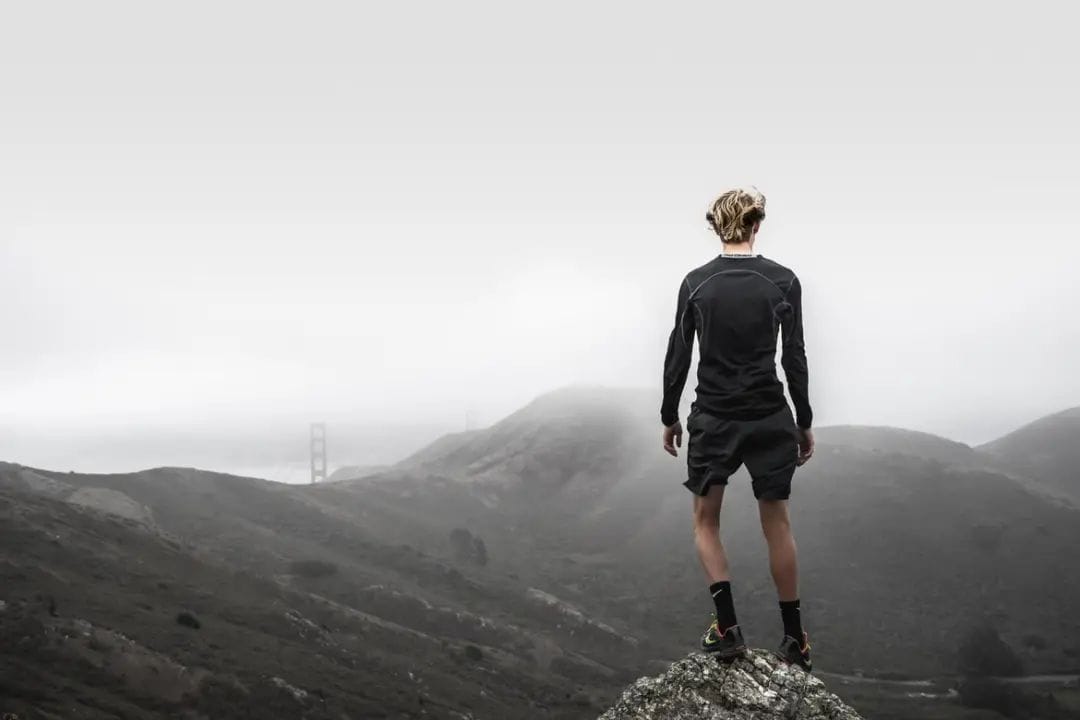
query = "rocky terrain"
x=754 y=687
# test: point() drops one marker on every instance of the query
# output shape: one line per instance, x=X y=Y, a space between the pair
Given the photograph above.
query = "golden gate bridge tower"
x=318 y=452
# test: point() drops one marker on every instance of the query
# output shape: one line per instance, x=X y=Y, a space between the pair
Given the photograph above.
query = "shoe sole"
x=796 y=663
x=729 y=654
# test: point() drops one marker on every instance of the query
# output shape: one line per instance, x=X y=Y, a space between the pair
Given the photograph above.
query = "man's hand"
x=673 y=438
x=805 y=438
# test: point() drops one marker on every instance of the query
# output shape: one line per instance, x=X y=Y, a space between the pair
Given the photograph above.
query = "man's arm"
x=677 y=361
x=794 y=356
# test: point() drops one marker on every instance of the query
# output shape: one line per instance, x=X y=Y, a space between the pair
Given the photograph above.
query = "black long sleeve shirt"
x=736 y=306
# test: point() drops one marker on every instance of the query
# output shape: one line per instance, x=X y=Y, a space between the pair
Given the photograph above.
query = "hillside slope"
x=575 y=495
x=281 y=587
x=1046 y=449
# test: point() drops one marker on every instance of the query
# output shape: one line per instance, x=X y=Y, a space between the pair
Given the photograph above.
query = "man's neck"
x=740 y=249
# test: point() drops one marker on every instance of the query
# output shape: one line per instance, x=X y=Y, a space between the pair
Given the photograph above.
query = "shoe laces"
x=716 y=624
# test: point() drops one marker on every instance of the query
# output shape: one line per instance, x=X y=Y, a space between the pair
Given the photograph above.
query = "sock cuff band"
x=719 y=586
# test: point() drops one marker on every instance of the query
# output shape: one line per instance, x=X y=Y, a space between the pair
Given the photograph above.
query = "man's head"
x=737 y=214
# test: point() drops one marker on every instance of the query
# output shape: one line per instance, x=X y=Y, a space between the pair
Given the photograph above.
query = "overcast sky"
x=224 y=214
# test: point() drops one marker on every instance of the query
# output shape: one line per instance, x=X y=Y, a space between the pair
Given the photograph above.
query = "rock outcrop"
x=758 y=686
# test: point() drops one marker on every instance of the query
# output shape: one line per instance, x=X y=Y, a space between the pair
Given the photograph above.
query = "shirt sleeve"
x=677 y=360
x=794 y=355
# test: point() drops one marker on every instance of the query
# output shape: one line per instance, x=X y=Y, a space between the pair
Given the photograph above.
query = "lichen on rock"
x=757 y=686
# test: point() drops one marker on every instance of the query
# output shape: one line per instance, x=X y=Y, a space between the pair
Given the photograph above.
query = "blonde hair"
x=733 y=214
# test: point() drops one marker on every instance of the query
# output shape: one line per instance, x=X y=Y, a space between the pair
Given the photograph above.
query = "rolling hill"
x=288 y=592
x=1046 y=450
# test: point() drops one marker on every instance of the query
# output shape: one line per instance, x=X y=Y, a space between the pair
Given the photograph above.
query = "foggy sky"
x=220 y=215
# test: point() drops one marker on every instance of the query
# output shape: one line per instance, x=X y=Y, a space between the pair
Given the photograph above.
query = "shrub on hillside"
x=468 y=547
x=188 y=620
x=983 y=653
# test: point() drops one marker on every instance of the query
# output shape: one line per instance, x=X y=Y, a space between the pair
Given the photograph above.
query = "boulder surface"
x=759 y=685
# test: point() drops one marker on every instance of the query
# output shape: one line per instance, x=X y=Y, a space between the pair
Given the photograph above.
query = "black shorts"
x=716 y=447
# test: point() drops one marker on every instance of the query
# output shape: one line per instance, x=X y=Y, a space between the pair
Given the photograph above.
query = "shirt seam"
x=735 y=270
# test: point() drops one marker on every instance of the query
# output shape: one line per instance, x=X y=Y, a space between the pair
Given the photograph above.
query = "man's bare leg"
x=784 y=564
x=707 y=534
x=715 y=563
x=723 y=636
x=783 y=554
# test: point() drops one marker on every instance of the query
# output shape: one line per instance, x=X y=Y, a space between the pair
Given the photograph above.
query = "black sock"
x=789 y=611
x=725 y=606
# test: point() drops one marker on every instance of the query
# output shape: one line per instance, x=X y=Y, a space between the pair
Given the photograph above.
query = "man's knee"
x=774 y=517
x=706 y=516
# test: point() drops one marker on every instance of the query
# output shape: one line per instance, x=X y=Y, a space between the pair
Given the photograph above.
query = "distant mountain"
x=558 y=435
x=879 y=438
x=1047 y=449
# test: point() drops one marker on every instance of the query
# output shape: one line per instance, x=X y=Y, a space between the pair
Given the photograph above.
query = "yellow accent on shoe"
x=715 y=638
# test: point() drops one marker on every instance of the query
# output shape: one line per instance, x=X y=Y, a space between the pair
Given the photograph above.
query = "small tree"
x=461 y=543
x=467 y=547
x=480 y=552
x=983 y=653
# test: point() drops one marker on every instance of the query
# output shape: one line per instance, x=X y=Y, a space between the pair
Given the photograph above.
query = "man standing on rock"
x=736 y=304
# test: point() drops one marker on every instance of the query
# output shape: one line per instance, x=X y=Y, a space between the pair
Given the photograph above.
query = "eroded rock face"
x=758 y=686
